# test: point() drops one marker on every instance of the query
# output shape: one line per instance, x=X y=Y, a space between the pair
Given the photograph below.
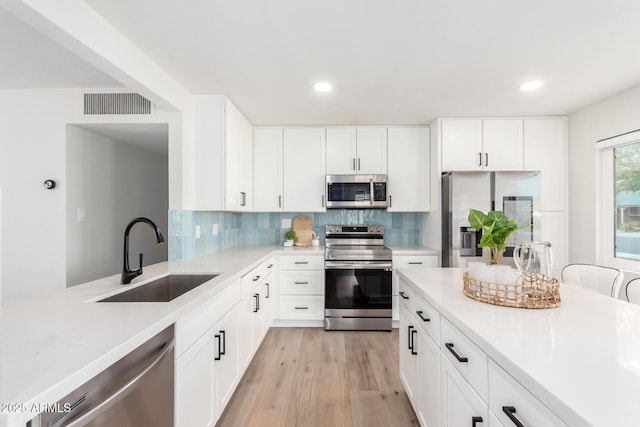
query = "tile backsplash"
x=241 y=229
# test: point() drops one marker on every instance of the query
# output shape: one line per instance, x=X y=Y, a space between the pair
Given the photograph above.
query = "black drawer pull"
x=475 y=420
x=301 y=262
x=413 y=344
x=300 y=283
x=270 y=266
x=409 y=346
x=403 y=295
x=449 y=346
x=224 y=343
x=301 y=308
x=257 y=302
x=255 y=279
x=511 y=411
x=424 y=319
x=415 y=262
x=219 y=353
x=267 y=285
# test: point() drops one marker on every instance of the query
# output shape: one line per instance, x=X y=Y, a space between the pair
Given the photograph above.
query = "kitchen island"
x=581 y=361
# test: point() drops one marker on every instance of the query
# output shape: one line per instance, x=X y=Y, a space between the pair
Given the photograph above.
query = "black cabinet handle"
x=270 y=266
x=267 y=295
x=449 y=346
x=415 y=262
x=409 y=328
x=480 y=159
x=486 y=159
x=475 y=420
x=301 y=262
x=301 y=308
x=402 y=294
x=216 y=336
x=424 y=319
x=511 y=413
x=255 y=279
x=300 y=283
x=390 y=201
x=280 y=201
x=257 y=300
x=224 y=343
x=413 y=344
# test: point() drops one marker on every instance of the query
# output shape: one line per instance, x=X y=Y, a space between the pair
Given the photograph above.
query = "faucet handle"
x=140 y=269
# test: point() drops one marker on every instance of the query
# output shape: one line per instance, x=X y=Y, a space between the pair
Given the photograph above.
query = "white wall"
x=114 y=182
x=610 y=117
x=32 y=149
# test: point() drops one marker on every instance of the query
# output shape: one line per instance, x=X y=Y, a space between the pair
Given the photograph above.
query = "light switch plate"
x=197 y=231
x=286 y=223
x=214 y=229
x=82 y=214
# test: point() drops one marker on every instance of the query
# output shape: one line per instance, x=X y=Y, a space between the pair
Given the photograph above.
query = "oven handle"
x=358 y=265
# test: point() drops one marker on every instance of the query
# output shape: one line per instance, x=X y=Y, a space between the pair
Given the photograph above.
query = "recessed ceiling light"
x=323 y=87
x=532 y=85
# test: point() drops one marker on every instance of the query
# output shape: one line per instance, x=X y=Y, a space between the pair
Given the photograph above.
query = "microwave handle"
x=373 y=196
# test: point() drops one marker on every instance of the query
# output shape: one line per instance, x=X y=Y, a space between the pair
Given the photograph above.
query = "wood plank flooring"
x=308 y=377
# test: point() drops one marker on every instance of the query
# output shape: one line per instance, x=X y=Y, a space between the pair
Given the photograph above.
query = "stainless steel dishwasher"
x=135 y=391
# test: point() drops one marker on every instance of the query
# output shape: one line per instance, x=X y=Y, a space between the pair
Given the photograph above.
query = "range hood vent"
x=116 y=103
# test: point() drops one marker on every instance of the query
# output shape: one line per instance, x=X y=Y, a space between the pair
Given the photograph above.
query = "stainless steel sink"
x=163 y=289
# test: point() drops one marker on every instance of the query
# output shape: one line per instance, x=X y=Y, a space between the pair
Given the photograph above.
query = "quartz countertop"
x=581 y=359
x=53 y=344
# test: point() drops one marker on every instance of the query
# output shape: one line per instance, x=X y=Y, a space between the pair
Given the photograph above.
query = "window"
x=620 y=200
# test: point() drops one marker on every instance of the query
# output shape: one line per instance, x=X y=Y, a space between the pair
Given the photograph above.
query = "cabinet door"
x=502 y=145
x=409 y=166
x=304 y=170
x=545 y=150
x=239 y=163
x=195 y=385
x=461 y=145
x=371 y=151
x=461 y=406
x=341 y=151
x=408 y=360
x=428 y=408
x=247 y=314
x=267 y=169
x=227 y=345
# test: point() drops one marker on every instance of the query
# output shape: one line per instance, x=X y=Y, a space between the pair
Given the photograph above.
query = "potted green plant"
x=290 y=238
x=496 y=228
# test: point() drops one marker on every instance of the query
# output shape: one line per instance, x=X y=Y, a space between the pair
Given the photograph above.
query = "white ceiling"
x=391 y=62
x=153 y=137
x=31 y=60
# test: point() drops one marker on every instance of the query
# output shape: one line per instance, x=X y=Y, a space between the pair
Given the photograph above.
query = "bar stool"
x=604 y=280
x=632 y=290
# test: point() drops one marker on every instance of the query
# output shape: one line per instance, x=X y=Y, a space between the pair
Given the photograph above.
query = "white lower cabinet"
x=226 y=334
x=461 y=405
x=428 y=401
x=407 y=261
x=195 y=385
x=301 y=283
x=407 y=354
x=512 y=403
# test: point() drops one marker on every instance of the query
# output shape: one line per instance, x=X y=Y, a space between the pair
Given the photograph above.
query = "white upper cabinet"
x=545 y=149
x=304 y=170
x=477 y=145
x=267 y=169
x=222 y=156
x=357 y=151
x=409 y=166
x=502 y=145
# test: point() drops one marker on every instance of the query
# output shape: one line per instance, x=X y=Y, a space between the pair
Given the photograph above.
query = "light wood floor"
x=310 y=377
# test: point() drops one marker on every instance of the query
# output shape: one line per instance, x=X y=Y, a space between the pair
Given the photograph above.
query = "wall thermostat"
x=49 y=184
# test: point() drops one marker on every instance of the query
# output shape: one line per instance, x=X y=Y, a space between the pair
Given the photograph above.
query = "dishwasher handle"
x=123 y=391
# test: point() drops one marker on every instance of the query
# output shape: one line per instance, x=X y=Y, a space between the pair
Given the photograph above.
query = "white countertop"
x=582 y=359
x=54 y=344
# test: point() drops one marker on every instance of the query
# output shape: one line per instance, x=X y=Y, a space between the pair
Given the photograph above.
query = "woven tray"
x=531 y=290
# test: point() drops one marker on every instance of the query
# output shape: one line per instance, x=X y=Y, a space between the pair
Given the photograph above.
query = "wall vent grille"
x=116 y=103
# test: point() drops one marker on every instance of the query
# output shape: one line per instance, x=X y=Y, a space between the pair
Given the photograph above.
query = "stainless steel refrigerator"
x=517 y=194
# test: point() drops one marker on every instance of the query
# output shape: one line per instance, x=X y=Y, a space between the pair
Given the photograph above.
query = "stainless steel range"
x=357 y=279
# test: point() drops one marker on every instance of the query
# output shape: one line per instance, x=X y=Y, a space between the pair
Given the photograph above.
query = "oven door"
x=361 y=288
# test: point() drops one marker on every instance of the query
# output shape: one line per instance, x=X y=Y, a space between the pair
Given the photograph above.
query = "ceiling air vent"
x=116 y=103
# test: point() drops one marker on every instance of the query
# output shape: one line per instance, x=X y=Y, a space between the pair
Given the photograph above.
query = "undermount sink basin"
x=163 y=289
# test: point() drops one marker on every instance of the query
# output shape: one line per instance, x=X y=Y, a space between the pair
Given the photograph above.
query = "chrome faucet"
x=127 y=274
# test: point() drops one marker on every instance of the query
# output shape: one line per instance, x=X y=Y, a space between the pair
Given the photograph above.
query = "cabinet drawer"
x=507 y=395
x=301 y=262
x=460 y=404
x=410 y=261
x=250 y=281
x=302 y=283
x=407 y=296
x=467 y=357
x=424 y=311
x=303 y=307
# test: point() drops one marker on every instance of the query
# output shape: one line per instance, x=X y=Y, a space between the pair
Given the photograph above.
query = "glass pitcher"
x=534 y=257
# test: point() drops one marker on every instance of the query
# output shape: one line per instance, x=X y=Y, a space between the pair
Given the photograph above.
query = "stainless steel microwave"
x=357 y=191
